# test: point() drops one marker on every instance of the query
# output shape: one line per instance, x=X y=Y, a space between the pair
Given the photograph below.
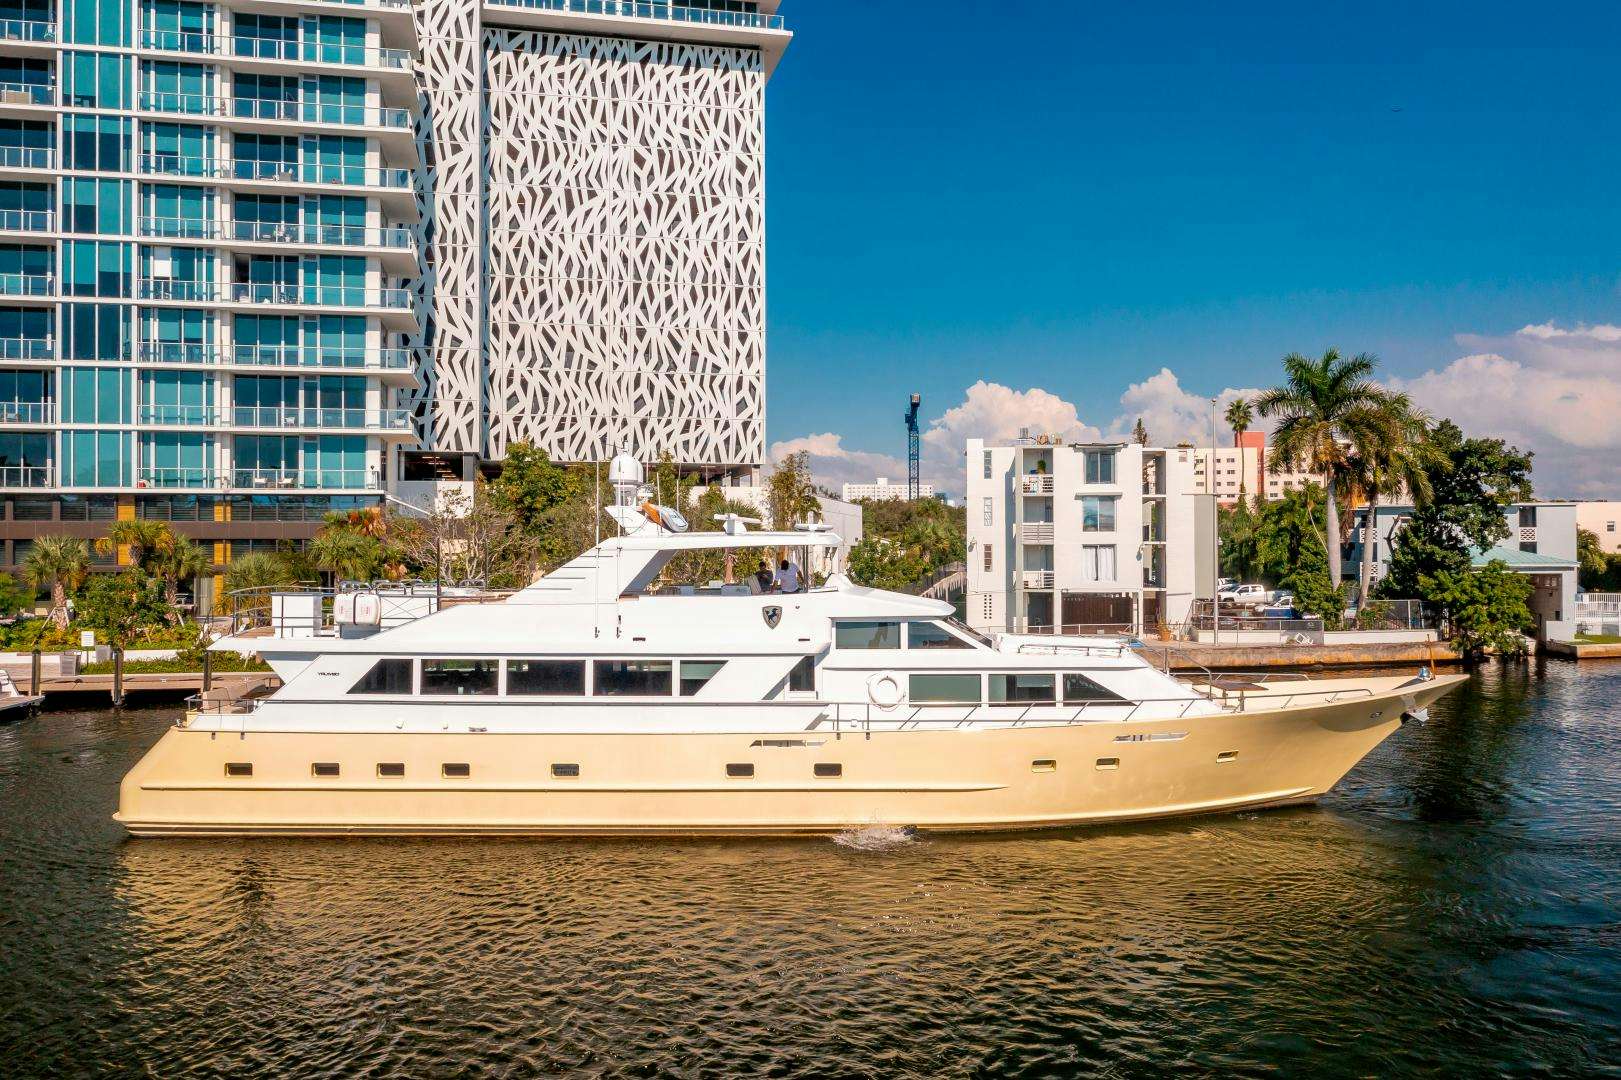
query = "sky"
x=1062 y=216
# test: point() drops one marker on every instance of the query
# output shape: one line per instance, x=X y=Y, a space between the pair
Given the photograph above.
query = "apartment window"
x=1079 y=688
x=1097 y=562
x=867 y=634
x=695 y=675
x=802 y=676
x=931 y=635
x=633 y=678
x=564 y=678
x=1609 y=526
x=988 y=511
x=385 y=677
x=1528 y=517
x=458 y=676
x=1100 y=467
x=944 y=688
x=1528 y=545
x=987 y=464
x=1097 y=513
x=1022 y=688
x=987 y=558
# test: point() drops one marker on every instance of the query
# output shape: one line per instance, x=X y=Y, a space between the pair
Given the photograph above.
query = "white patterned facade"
x=594 y=227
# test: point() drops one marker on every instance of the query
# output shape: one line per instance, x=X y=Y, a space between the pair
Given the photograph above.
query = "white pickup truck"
x=1246 y=595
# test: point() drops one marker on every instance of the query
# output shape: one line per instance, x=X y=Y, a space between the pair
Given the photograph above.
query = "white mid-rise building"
x=1603 y=520
x=1245 y=469
x=883 y=489
x=1085 y=538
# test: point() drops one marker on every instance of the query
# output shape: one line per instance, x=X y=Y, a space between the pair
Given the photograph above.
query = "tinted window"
x=802 y=676
x=1079 y=688
x=1021 y=688
x=952 y=688
x=458 y=676
x=385 y=677
x=649 y=677
x=864 y=634
x=546 y=677
x=928 y=635
x=696 y=673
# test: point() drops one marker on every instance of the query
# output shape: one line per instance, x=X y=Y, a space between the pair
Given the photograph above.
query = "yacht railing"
x=255 y=612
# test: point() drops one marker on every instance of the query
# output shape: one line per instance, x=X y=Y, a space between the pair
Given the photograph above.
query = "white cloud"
x=832 y=463
x=1172 y=415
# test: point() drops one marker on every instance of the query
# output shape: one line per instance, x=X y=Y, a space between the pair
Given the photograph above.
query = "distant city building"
x=1541 y=545
x=1245 y=469
x=883 y=489
x=1092 y=538
x=1603 y=520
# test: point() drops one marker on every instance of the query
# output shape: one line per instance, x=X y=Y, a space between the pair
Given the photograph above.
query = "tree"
x=1239 y=419
x=1485 y=609
x=180 y=560
x=530 y=485
x=146 y=540
x=468 y=538
x=884 y=564
x=1592 y=563
x=924 y=535
x=1239 y=557
x=13 y=597
x=1289 y=553
x=1393 y=456
x=1323 y=406
x=1139 y=434
x=790 y=493
x=121 y=606
x=348 y=554
x=62 y=562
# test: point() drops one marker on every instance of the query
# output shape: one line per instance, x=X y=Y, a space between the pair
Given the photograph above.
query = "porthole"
x=1045 y=764
x=1108 y=763
x=324 y=769
x=391 y=769
x=740 y=770
x=565 y=772
x=455 y=770
x=1226 y=756
x=828 y=769
x=239 y=768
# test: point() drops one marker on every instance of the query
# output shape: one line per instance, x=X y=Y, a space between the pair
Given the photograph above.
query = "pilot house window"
x=695 y=674
x=929 y=635
x=385 y=677
x=560 y=677
x=1021 y=688
x=867 y=634
x=458 y=676
x=640 y=678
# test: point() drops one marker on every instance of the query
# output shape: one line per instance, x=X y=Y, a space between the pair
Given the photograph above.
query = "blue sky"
x=1072 y=197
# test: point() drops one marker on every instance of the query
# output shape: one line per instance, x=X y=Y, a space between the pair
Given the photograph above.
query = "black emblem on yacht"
x=772 y=615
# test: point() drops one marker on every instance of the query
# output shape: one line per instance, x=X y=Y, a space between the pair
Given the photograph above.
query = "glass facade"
x=202 y=289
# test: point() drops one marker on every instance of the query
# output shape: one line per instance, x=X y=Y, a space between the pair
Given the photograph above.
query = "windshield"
x=966 y=630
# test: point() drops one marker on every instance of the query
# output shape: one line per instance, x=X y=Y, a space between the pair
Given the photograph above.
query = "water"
x=1454 y=909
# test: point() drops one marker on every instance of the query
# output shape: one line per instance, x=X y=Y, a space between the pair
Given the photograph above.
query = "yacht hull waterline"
x=688 y=783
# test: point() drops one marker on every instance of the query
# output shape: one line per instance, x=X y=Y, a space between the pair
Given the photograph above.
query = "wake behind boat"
x=594 y=703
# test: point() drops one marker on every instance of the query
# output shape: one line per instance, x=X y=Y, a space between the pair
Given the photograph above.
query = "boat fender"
x=884 y=689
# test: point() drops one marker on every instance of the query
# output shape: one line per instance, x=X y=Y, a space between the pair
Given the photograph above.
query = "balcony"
x=395 y=245
x=31 y=31
x=27 y=285
x=27 y=413
x=1036 y=532
x=174 y=478
x=1036 y=579
x=27 y=349
x=299 y=52
x=295 y=416
x=281 y=172
x=31 y=95
x=27 y=476
x=319 y=296
x=177 y=415
x=1041 y=484
x=27 y=221
x=306 y=479
x=201 y=292
x=27 y=157
x=303 y=112
x=634 y=9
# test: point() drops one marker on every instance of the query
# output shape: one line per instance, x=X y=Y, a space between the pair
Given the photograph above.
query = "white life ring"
x=884 y=689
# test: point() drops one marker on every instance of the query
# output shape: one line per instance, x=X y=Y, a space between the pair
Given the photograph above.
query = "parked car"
x=1281 y=607
x=1251 y=595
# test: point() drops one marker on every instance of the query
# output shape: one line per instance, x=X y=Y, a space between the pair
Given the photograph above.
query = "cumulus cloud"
x=1543 y=388
x=1172 y=415
x=832 y=463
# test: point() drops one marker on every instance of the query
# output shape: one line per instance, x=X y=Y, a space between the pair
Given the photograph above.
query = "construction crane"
x=912 y=486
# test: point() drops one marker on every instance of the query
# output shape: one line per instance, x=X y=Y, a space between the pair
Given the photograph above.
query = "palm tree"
x=1325 y=407
x=351 y=556
x=64 y=561
x=1239 y=418
x=1394 y=456
x=147 y=541
x=180 y=560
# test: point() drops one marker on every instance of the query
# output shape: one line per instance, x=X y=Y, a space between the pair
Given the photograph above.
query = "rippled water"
x=1455 y=908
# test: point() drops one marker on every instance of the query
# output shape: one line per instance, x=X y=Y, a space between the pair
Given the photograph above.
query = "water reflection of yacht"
x=593 y=702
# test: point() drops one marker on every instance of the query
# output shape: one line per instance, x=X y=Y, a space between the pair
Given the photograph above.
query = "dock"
x=1583 y=650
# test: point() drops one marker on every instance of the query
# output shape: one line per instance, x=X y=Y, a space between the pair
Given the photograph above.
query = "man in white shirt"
x=789 y=579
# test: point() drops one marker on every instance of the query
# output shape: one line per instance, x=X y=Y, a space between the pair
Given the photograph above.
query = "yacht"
x=598 y=701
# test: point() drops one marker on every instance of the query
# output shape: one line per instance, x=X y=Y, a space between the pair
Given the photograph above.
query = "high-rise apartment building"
x=259 y=259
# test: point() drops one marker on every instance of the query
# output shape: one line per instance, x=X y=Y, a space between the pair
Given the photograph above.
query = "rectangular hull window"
x=391 y=770
x=560 y=678
x=455 y=770
x=695 y=674
x=828 y=770
x=385 y=677
x=565 y=772
x=739 y=771
x=238 y=768
x=458 y=676
x=948 y=689
x=1022 y=689
x=324 y=769
x=635 y=678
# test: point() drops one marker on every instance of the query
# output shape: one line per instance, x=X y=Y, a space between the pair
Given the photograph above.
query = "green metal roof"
x=1515 y=559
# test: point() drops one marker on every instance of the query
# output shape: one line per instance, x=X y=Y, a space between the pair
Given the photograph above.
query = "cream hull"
x=988 y=778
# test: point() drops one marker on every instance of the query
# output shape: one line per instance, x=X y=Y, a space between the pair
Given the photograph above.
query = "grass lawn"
x=1598 y=639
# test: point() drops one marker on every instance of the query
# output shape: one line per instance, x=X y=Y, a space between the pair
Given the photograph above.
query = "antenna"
x=912 y=485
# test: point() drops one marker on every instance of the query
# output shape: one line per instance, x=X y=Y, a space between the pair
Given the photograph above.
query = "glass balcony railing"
x=291 y=356
x=282 y=171
x=27 y=157
x=276 y=232
x=13 y=93
x=308 y=112
x=27 y=284
x=27 y=30
x=27 y=220
x=296 y=416
x=305 y=479
x=27 y=412
x=21 y=348
x=161 y=477
x=319 y=296
x=177 y=415
x=308 y=52
x=26 y=476
x=201 y=292
x=636 y=9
